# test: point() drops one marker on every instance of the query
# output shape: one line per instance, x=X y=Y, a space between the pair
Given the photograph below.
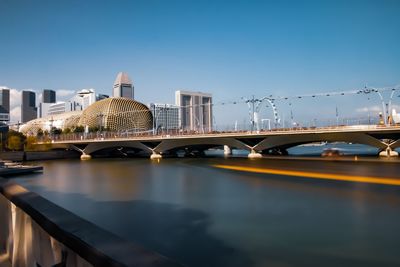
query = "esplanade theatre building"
x=114 y=114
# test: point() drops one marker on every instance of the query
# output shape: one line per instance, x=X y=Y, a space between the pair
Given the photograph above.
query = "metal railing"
x=110 y=135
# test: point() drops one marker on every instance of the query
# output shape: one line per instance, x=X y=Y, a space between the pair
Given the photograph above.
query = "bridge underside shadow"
x=280 y=144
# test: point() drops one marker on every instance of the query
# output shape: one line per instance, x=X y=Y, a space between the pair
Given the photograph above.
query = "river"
x=200 y=215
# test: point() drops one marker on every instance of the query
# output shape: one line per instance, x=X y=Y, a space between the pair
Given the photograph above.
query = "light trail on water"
x=314 y=175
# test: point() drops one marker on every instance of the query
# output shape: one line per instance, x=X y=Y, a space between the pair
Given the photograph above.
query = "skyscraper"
x=4 y=105
x=28 y=108
x=123 y=86
x=195 y=110
x=48 y=96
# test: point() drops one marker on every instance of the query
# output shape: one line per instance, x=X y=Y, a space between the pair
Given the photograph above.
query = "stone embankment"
x=38 y=155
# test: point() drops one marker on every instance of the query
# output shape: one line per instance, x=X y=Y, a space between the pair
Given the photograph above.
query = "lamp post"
x=390 y=102
x=154 y=119
x=166 y=118
x=51 y=127
x=385 y=106
x=253 y=105
x=337 y=117
x=101 y=115
x=384 y=111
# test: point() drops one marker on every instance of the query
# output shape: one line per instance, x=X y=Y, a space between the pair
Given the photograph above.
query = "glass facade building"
x=49 y=96
x=28 y=107
x=166 y=117
x=4 y=105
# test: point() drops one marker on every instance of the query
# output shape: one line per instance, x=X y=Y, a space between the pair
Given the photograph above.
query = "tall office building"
x=195 y=110
x=48 y=98
x=165 y=117
x=123 y=86
x=28 y=108
x=4 y=105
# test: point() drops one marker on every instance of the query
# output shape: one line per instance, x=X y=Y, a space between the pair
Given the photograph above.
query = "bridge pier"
x=227 y=150
x=254 y=155
x=85 y=156
x=388 y=152
x=155 y=156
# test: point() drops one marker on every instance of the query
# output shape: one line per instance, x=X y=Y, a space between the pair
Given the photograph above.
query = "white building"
x=62 y=107
x=43 y=109
x=395 y=117
x=165 y=117
x=79 y=102
x=85 y=97
x=195 y=110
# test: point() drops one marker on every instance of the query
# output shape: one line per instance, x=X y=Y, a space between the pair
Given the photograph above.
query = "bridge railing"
x=110 y=135
x=36 y=232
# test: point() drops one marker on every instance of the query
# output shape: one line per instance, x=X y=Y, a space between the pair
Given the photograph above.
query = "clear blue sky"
x=228 y=48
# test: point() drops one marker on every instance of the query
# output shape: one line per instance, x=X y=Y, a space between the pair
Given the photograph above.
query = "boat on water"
x=12 y=168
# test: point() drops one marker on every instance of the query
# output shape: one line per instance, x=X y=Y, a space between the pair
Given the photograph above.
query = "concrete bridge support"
x=254 y=155
x=227 y=150
x=155 y=156
x=86 y=156
x=388 y=152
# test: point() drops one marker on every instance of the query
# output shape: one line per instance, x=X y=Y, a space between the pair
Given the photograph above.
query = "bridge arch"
x=93 y=147
x=287 y=141
x=167 y=145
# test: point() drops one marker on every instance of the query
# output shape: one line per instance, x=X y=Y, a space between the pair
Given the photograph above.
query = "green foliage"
x=40 y=133
x=15 y=140
x=14 y=143
x=79 y=129
x=66 y=131
x=55 y=131
x=30 y=143
x=94 y=129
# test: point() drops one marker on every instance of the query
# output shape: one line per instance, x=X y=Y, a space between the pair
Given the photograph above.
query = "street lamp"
x=166 y=118
x=253 y=104
x=385 y=106
x=101 y=116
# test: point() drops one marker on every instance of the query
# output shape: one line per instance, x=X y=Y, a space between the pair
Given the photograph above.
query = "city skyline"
x=287 y=105
x=230 y=49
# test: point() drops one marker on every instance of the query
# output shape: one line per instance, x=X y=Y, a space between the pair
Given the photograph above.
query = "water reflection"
x=202 y=216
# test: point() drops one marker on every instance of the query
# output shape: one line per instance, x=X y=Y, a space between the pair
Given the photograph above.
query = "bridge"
x=385 y=138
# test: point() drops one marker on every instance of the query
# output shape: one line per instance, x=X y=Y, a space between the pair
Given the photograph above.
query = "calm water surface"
x=199 y=215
